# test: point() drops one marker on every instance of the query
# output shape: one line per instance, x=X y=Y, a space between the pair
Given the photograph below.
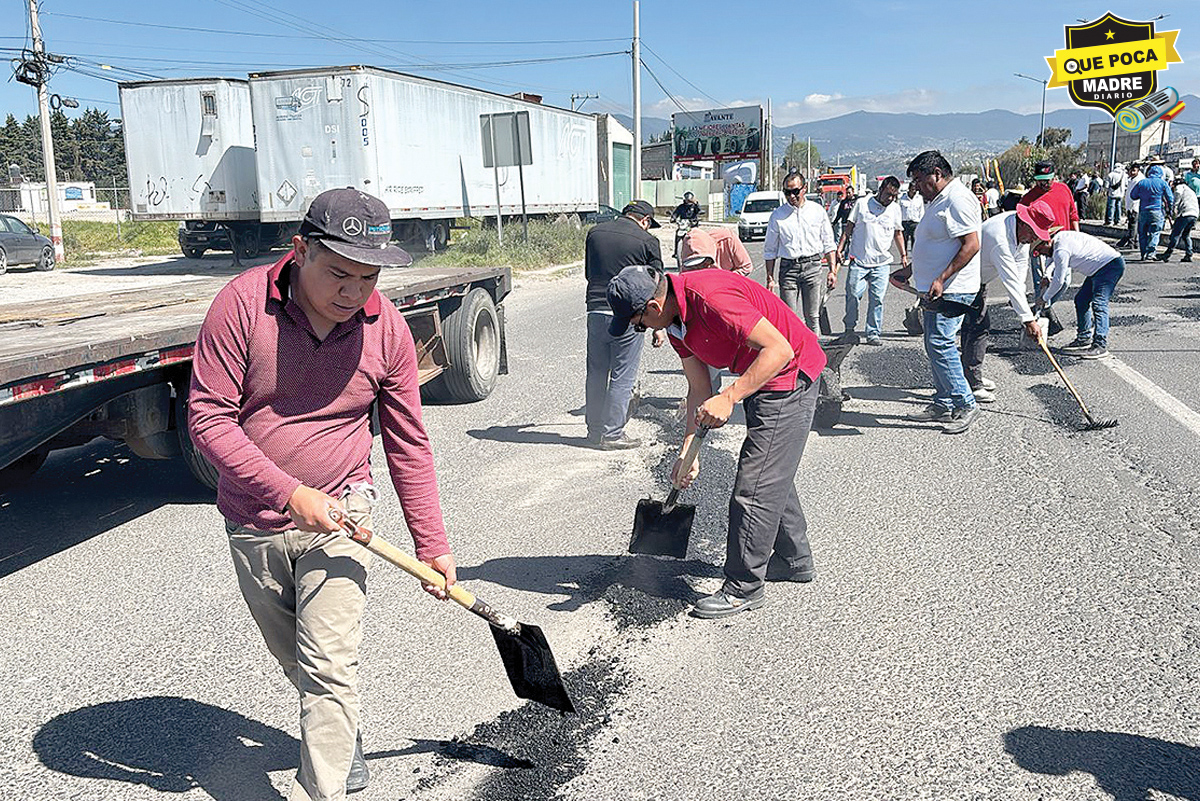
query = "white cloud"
x=822 y=106
x=818 y=99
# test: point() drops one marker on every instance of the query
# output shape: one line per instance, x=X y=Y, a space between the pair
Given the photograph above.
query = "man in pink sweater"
x=287 y=365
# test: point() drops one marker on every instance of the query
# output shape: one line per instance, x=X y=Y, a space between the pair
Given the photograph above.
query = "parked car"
x=20 y=244
x=756 y=213
x=198 y=236
x=603 y=214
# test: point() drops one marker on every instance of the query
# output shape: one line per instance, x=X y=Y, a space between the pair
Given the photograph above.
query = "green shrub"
x=549 y=244
x=86 y=240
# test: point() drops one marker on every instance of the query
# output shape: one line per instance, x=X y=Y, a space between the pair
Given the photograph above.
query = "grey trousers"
x=766 y=521
x=612 y=366
x=803 y=280
x=975 y=337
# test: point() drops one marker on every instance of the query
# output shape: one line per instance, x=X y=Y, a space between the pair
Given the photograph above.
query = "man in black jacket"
x=612 y=362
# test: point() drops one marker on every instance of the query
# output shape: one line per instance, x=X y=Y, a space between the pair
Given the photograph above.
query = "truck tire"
x=193 y=253
x=45 y=261
x=201 y=468
x=439 y=235
x=247 y=241
x=21 y=470
x=472 y=337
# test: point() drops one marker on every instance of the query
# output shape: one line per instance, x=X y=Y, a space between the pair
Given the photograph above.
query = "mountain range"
x=882 y=142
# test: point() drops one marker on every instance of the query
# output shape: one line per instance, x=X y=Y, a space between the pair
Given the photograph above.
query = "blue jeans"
x=1091 y=301
x=859 y=280
x=1112 y=211
x=1150 y=225
x=1181 y=230
x=612 y=365
x=950 y=387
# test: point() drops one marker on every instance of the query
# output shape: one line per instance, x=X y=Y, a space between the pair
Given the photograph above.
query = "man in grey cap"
x=288 y=364
x=612 y=361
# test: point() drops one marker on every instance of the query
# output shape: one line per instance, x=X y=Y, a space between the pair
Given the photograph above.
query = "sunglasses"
x=793 y=191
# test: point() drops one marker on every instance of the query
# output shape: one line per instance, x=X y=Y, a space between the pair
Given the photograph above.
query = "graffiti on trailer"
x=363 y=115
x=195 y=189
x=572 y=139
x=156 y=190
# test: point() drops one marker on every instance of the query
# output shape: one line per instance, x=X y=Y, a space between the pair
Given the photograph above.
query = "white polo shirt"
x=1001 y=256
x=1076 y=251
x=793 y=232
x=953 y=213
x=911 y=208
x=875 y=226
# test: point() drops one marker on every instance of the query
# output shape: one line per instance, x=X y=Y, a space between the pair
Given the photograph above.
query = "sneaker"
x=1164 y=256
x=874 y=341
x=931 y=414
x=1094 y=352
x=360 y=774
x=621 y=443
x=988 y=384
x=962 y=420
x=1186 y=258
x=722 y=604
x=1078 y=343
x=983 y=395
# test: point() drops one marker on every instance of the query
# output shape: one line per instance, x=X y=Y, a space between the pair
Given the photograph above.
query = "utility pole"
x=1044 y=82
x=584 y=98
x=637 y=102
x=47 y=142
x=808 y=174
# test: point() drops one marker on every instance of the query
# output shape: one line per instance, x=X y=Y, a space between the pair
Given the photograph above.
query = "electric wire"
x=680 y=75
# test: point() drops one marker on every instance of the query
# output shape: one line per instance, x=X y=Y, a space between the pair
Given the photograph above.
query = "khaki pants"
x=306 y=592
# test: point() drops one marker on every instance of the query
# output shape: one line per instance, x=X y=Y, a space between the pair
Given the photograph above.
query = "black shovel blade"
x=659 y=533
x=531 y=668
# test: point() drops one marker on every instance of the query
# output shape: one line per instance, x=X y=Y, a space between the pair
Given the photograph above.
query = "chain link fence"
x=110 y=204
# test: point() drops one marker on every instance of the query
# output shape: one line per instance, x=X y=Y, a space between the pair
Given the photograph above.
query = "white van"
x=752 y=221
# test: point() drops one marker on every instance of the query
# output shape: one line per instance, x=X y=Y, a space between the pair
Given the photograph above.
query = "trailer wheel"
x=201 y=468
x=247 y=241
x=438 y=235
x=472 y=336
x=21 y=470
x=45 y=261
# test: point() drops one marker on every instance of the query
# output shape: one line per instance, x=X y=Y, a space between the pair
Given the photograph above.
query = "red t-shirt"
x=1061 y=202
x=719 y=309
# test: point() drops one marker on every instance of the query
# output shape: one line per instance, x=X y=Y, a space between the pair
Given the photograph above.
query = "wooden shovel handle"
x=1067 y=381
x=689 y=455
x=419 y=570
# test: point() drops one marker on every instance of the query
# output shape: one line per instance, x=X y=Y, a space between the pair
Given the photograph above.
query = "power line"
x=681 y=77
x=664 y=89
x=438 y=66
x=258 y=34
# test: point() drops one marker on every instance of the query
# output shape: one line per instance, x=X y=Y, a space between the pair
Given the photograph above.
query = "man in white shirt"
x=1133 y=174
x=1185 y=211
x=912 y=206
x=992 y=195
x=798 y=235
x=1116 y=191
x=874 y=225
x=1003 y=254
x=945 y=266
x=1075 y=251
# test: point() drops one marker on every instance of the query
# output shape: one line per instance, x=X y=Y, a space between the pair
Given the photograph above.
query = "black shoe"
x=1094 y=352
x=1164 y=256
x=621 y=443
x=1186 y=258
x=782 y=571
x=721 y=604
x=962 y=420
x=1077 y=344
x=360 y=774
x=931 y=414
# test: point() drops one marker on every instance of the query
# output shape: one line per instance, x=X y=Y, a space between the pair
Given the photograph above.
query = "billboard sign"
x=726 y=134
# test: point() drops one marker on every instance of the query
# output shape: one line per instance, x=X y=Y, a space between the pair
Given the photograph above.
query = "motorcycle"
x=683 y=225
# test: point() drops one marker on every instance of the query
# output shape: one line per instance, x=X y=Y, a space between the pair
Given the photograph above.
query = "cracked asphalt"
x=1007 y=614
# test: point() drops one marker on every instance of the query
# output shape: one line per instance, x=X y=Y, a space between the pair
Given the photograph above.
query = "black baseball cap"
x=354 y=225
x=642 y=209
x=628 y=293
x=1043 y=171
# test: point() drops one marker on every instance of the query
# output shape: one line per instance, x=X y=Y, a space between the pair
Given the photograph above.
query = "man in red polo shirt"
x=1061 y=201
x=287 y=365
x=721 y=319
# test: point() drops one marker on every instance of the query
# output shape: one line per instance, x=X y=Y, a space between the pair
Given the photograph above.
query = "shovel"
x=1092 y=423
x=527 y=659
x=943 y=306
x=663 y=529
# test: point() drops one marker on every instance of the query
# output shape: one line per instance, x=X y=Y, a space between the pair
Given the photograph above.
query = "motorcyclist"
x=688 y=211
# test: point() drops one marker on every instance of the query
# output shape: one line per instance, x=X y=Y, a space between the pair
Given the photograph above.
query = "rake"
x=1092 y=423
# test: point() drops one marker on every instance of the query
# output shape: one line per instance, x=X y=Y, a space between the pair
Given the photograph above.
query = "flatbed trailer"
x=118 y=365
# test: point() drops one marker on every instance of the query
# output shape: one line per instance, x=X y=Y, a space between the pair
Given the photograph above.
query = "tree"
x=89 y=147
x=797 y=157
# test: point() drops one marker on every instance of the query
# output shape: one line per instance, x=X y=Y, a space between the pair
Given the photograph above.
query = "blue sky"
x=820 y=59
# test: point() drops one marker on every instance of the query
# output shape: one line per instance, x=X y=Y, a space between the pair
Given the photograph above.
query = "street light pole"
x=637 y=102
x=1044 y=82
x=47 y=140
